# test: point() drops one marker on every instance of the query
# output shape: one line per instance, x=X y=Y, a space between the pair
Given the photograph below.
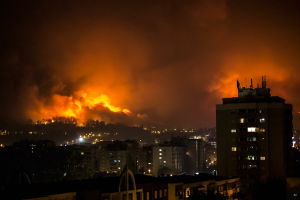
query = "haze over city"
x=156 y=62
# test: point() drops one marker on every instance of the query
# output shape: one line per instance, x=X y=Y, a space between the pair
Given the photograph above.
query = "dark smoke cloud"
x=169 y=62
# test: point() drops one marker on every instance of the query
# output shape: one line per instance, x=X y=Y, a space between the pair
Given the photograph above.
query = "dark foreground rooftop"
x=103 y=185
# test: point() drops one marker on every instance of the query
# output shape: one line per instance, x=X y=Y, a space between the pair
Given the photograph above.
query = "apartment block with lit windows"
x=254 y=132
x=113 y=157
x=168 y=159
x=146 y=160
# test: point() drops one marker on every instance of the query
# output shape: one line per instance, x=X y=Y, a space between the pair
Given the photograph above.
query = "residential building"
x=114 y=157
x=210 y=155
x=127 y=187
x=254 y=132
x=195 y=153
x=168 y=159
x=146 y=160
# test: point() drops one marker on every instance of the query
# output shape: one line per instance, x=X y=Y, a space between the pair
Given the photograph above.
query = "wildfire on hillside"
x=74 y=109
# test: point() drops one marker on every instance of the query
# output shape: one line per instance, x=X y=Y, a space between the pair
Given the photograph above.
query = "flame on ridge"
x=76 y=107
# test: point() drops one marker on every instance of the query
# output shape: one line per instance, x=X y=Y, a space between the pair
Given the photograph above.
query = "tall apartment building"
x=168 y=159
x=195 y=153
x=113 y=157
x=145 y=160
x=254 y=132
x=90 y=151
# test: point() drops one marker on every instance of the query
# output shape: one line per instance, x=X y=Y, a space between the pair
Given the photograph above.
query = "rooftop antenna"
x=238 y=84
x=264 y=82
x=251 y=86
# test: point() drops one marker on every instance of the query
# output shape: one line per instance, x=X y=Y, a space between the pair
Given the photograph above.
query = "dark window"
x=242 y=166
x=242 y=111
x=251 y=111
x=251 y=120
x=243 y=148
x=243 y=139
x=243 y=176
x=252 y=176
x=243 y=129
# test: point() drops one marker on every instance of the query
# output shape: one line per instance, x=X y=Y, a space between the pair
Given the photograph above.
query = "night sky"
x=164 y=62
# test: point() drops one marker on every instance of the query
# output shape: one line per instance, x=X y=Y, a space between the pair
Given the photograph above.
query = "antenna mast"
x=264 y=82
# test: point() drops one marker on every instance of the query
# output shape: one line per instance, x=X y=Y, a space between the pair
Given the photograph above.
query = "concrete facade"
x=168 y=160
x=254 y=134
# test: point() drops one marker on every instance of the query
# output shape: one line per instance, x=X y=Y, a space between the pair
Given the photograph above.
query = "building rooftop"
x=261 y=94
x=104 y=185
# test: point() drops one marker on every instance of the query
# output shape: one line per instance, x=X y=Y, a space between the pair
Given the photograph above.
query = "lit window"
x=155 y=194
x=82 y=153
x=233 y=148
x=119 y=160
x=160 y=154
x=242 y=120
x=115 y=161
x=251 y=129
x=251 y=139
x=159 y=149
x=149 y=163
x=262 y=130
x=261 y=111
x=262 y=158
x=262 y=120
x=251 y=158
x=233 y=130
x=165 y=161
x=159 y=157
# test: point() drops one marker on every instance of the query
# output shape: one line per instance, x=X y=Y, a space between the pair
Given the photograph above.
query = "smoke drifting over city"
x=156 y=62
